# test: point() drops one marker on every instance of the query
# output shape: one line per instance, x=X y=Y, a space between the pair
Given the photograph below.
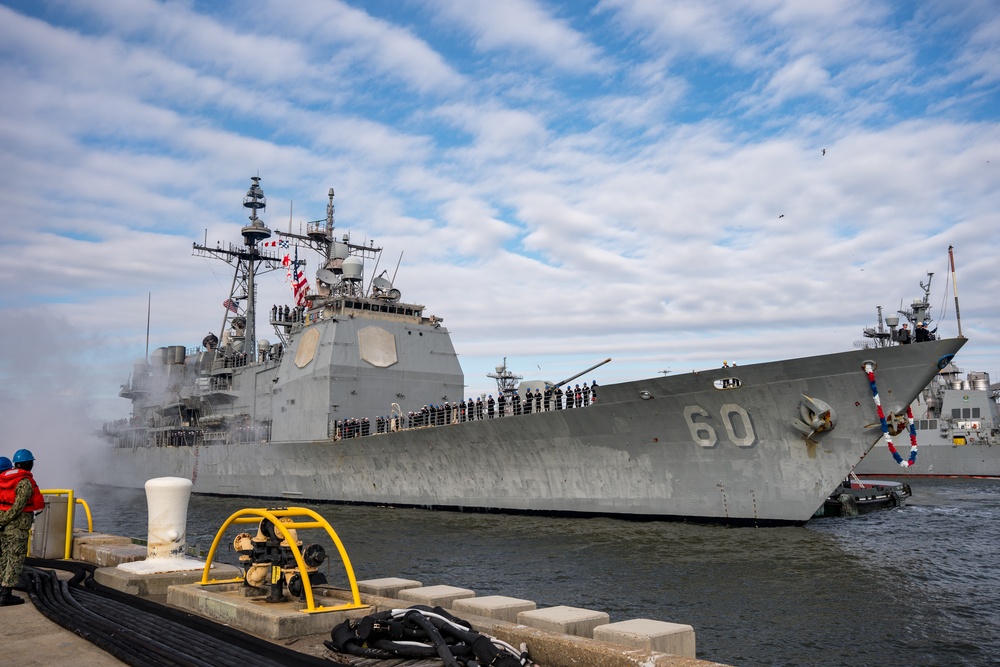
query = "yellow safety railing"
x=69 y=515
x=274 y=516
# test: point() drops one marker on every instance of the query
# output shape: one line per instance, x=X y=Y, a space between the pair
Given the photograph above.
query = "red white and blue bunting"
x=885 y=426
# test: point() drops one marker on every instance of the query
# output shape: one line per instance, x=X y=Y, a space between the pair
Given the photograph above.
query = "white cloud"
x=525 y=28
x=635 y=214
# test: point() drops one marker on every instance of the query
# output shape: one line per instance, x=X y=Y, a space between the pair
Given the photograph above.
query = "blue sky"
x=566 y=181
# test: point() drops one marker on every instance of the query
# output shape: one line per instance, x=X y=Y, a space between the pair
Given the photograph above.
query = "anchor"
x=816 y=417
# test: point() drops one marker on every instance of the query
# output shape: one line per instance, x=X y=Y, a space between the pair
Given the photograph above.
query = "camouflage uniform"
x=15 y=525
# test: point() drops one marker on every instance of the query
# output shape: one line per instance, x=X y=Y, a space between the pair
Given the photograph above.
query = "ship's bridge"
x=352 y=305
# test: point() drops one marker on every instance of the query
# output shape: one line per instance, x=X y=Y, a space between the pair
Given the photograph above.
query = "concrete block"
x=434 y=596
x=559 y=650
x=388 y=587
x=109 y=555
x=499 y=607
x=81 y=539
x=226 y=603
x=650 y=635
x=146 y=585
x=564 y=620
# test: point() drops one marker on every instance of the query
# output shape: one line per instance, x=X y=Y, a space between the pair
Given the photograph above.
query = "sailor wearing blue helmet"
x=20 y=498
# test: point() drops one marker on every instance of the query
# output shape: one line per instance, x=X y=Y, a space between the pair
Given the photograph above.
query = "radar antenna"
x=506 y=380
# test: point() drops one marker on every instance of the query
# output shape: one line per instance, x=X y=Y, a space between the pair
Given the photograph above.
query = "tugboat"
x=361 y=398
x=856 y=496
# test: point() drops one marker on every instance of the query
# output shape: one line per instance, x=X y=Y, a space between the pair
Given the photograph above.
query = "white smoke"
x=56 y=388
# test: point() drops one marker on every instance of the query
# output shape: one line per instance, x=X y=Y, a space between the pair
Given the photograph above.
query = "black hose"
x=434 y=636
x=143 y=633
x=390 y=634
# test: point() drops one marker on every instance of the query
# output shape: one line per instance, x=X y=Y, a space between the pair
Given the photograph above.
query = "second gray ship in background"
x=956 y=417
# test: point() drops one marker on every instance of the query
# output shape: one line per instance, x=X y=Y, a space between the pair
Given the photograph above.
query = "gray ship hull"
x=957 y=425
x=935 y=459
x=716 y=445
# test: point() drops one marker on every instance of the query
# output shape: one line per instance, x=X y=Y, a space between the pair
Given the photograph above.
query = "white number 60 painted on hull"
x=732 y=416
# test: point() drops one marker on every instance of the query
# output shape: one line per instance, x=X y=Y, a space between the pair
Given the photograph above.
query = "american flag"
x=231 y=305
x=300 y=286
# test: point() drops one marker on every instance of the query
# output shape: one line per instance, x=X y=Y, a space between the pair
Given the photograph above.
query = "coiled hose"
x=421 y=631
x=143 y=633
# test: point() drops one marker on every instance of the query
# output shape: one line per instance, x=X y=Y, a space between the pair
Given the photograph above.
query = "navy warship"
x=956 y=418
x=360 y=398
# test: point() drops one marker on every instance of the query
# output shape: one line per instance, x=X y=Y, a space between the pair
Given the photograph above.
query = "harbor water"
x=910 y=587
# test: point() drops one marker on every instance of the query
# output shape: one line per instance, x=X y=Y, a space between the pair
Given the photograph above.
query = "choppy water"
x=910 y=587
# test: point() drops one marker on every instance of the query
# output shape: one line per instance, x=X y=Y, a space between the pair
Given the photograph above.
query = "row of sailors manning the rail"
x=474 y=410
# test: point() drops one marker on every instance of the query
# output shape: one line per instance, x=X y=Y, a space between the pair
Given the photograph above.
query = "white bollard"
x=167 y=501
x=166 y=539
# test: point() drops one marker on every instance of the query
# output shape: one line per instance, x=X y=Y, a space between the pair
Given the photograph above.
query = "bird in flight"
x=781 y=216
x=824 y=151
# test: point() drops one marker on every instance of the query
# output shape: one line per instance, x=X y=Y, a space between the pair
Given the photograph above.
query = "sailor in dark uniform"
x=501 y=404
x=461 y=410
x=558 y=396
x=527 y=402
x=586 y=394
x=490 y=406
x=472 y=409
x=577 y=397
x=516 y=400
x=538 y=400
x=447 y=413
x=366 y=427
x=548 y=398
x=593 y=392
x=479 y=408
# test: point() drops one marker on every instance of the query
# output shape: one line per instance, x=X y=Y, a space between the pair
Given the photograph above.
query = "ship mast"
x=248 y=260
x=506 y=380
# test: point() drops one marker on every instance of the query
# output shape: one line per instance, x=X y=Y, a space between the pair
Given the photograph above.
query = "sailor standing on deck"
x=904 y=335
x=20 y=498
x=558 y=393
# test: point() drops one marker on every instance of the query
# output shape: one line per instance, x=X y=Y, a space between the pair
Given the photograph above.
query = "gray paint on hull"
x=621 y=456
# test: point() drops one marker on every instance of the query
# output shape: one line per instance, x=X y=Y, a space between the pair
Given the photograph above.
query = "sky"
x=667 y=183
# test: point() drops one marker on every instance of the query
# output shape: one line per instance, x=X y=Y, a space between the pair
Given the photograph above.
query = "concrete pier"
x=557 y=636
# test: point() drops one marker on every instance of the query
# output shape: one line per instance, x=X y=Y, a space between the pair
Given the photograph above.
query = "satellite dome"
x=353 y=268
